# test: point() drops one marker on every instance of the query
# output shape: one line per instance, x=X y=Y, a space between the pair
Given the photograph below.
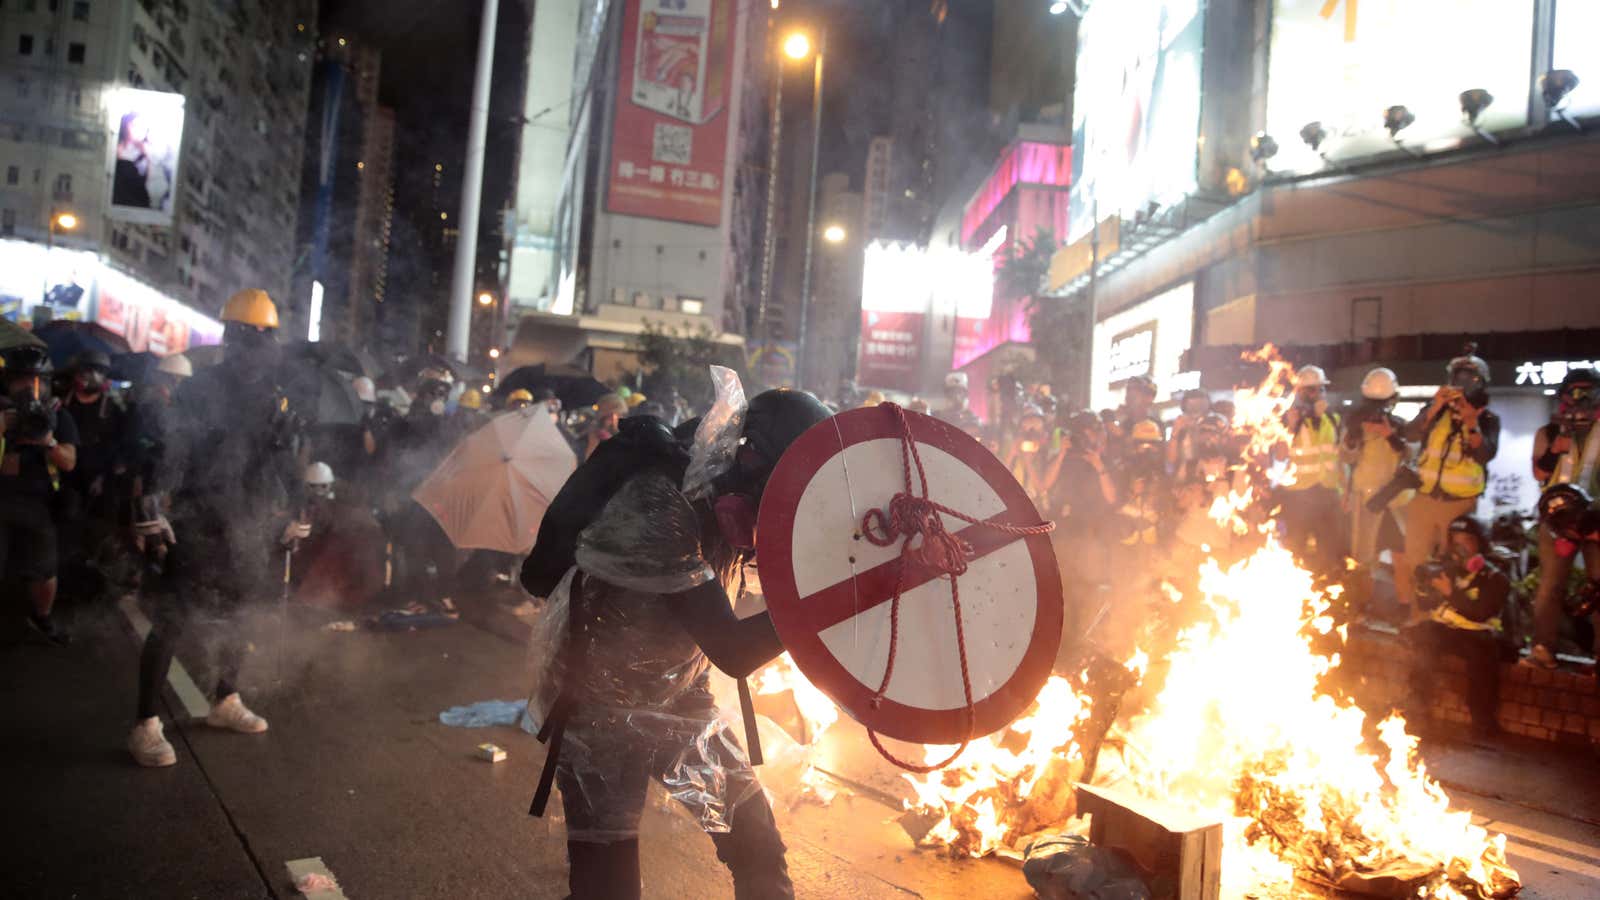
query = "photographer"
x=1565 y=452
x=1464 y=595
x=1313 y=517
x=1182 y=449
x=1374 y=449
x=39 y=443
x=1459 y=436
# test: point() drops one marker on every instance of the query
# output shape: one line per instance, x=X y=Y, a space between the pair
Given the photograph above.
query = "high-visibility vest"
x=1446 y=464
x=1315 y=452
x=1579 y=468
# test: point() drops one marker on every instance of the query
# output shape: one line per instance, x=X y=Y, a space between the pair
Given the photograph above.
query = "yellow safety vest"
x=1315 y=453
x=1445 y=463
x=1578 y=466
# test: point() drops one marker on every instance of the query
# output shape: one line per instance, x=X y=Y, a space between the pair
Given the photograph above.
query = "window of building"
x=8 y=222
x=22 y=88
x=80 y=10
x=25 y=44
x=63 y=186
x=75 y=53
x=13 y=174
x=49 y=46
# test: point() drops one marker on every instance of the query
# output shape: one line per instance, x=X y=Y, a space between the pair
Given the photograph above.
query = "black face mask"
x=252 y=354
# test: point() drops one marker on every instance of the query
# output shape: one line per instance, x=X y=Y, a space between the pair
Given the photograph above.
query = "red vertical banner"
x=890 y=353
x=675 y=86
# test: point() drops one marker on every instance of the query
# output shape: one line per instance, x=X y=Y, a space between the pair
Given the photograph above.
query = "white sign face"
x=146 y=138
x=1169 y=320
x=1344 y=62
x=1135 y=108
x=1130 y=354
x=1577 y=22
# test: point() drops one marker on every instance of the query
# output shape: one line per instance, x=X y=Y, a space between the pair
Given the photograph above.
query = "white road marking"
x=193 y=700
x=1554 y=860
x=1572 y=848
x=313 y=865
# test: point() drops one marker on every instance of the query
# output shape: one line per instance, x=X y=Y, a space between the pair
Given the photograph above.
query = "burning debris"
x=1228 y=720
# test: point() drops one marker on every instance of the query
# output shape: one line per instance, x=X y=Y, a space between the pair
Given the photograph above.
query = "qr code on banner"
x=672 y=144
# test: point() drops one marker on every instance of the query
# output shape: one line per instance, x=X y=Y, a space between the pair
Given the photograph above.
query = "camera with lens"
x=1406 y=478
x=1428 y=596
x=35 y=420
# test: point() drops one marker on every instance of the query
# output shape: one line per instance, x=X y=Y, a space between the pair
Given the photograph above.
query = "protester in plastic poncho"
x=1374 y=447
x=1459 y=436
x=1565 y=452
x=229 y=475
x=638 y=613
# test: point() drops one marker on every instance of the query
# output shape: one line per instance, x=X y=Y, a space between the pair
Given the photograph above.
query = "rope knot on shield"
x=915 y=520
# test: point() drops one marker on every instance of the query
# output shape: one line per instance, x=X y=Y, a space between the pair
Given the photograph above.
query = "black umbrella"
x=66 y=339
x=322 y=394
x=334 y=355
x=13 y=335
x=575 y=388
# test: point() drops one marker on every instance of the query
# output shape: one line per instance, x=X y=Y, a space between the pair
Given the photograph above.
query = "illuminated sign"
x=1344 y=63
x=1022 y=163
x=1135 y=108
x=1577 y=22
x=1131 y=354
x=1165 y=321
x=142 y=160
x=314 y=330
x=1551 y=372
x=33 y=276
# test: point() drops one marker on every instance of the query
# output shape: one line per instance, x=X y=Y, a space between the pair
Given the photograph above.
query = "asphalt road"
x=357 y=770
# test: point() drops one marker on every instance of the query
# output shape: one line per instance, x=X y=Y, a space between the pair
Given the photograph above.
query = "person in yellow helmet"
x=230 y=475
x=519 y=399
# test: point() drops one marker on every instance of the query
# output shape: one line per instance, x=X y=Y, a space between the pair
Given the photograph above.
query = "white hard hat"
x=177 y=364
x=1311 y=376
x=365 y=389
x=956 y=380
x=1380 y=384
x=319 y=473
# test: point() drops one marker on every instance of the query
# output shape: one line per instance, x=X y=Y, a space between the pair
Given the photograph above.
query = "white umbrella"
x=491 y=492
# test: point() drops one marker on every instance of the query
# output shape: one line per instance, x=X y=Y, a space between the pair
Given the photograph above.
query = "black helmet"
x=1575 y=377
x=92 y=359
x=1562 y=507
x=28 y=360
x=1470 y=524
x=1083 y=422
x=774 y=420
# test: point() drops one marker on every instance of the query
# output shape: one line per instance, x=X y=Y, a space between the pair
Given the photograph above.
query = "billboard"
x=148 y=319
x=1148 y=338
x=142 y=162
x=34 y=277
x=1343 y=63
x=1135 y=108
x=669 y=138
x=897 y=285
x=1577 y=22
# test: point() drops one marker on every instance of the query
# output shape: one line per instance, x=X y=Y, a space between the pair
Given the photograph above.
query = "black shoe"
x=50 y=630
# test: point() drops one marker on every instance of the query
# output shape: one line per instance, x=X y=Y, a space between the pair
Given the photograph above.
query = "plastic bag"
x=1068 y=867
x=716 y=441
x=544 y=653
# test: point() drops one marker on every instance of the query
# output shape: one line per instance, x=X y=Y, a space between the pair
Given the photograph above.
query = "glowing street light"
x=797 y=45
x=485 y=299
x=66 y=221
x=494 y=352
x=834 y=234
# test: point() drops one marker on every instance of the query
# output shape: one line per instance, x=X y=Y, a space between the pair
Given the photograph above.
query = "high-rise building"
x=214 y=216
x=346 y=193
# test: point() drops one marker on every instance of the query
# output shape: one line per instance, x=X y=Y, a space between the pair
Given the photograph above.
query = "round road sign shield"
x=829 y=588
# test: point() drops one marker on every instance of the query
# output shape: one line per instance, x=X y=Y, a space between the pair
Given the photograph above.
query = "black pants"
x=753 y=851
x=156 y=660
x=1315 y=527
x=1480 y=650
x=427 y=559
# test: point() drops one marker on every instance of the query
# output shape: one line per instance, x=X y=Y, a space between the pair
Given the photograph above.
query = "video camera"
x=1427 y=596
x=36 y=420
x=1406 y=478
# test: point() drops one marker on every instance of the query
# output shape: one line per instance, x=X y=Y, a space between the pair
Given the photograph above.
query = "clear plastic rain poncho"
x=642 y=704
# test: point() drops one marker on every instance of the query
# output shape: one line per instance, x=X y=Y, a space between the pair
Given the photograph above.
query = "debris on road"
x=484 y=714
x=491 y=753
x=342 y=625
x=313 y=879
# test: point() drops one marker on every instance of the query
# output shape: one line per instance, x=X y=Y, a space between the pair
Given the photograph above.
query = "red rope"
x=907 y=517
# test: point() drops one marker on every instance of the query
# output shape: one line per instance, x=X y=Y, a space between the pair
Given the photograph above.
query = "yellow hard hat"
x=251 y=306
x=471 y=399
x=520 y=395
x=634 y=399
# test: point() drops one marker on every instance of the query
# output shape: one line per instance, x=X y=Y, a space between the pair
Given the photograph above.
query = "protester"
x=520 y=399
x=425 y=559
x=1459 y=436
x=1082 y=500
x=1312 y=507
x=1029 y=455
x=1463 y=594
x=39 y=441
x=1565 y=452
x=957 y=409
x=88 y=508
x=1374 y=448
x=647 y=583
x=229 y=474
x=609 y=411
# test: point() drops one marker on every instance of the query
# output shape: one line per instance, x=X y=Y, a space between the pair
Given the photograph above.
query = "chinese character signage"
x=1551 y=372
x=669 y=141
x=891 y=350
x=148 y=319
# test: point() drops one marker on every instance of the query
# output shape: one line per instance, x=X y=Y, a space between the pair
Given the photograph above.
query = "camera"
x=1406 y=478
x=1428 y=597
x=35 y=420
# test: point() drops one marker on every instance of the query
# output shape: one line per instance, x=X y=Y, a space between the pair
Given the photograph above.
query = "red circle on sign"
x=800 y=623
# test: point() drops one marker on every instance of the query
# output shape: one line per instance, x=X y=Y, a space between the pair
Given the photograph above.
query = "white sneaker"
x=231 y=713
x=149 y=746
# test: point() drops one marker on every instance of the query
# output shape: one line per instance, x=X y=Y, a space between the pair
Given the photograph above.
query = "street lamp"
x=61 y=221
x=485 y=299
x=834 y=234
x=797 y=45
x=494 y=352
